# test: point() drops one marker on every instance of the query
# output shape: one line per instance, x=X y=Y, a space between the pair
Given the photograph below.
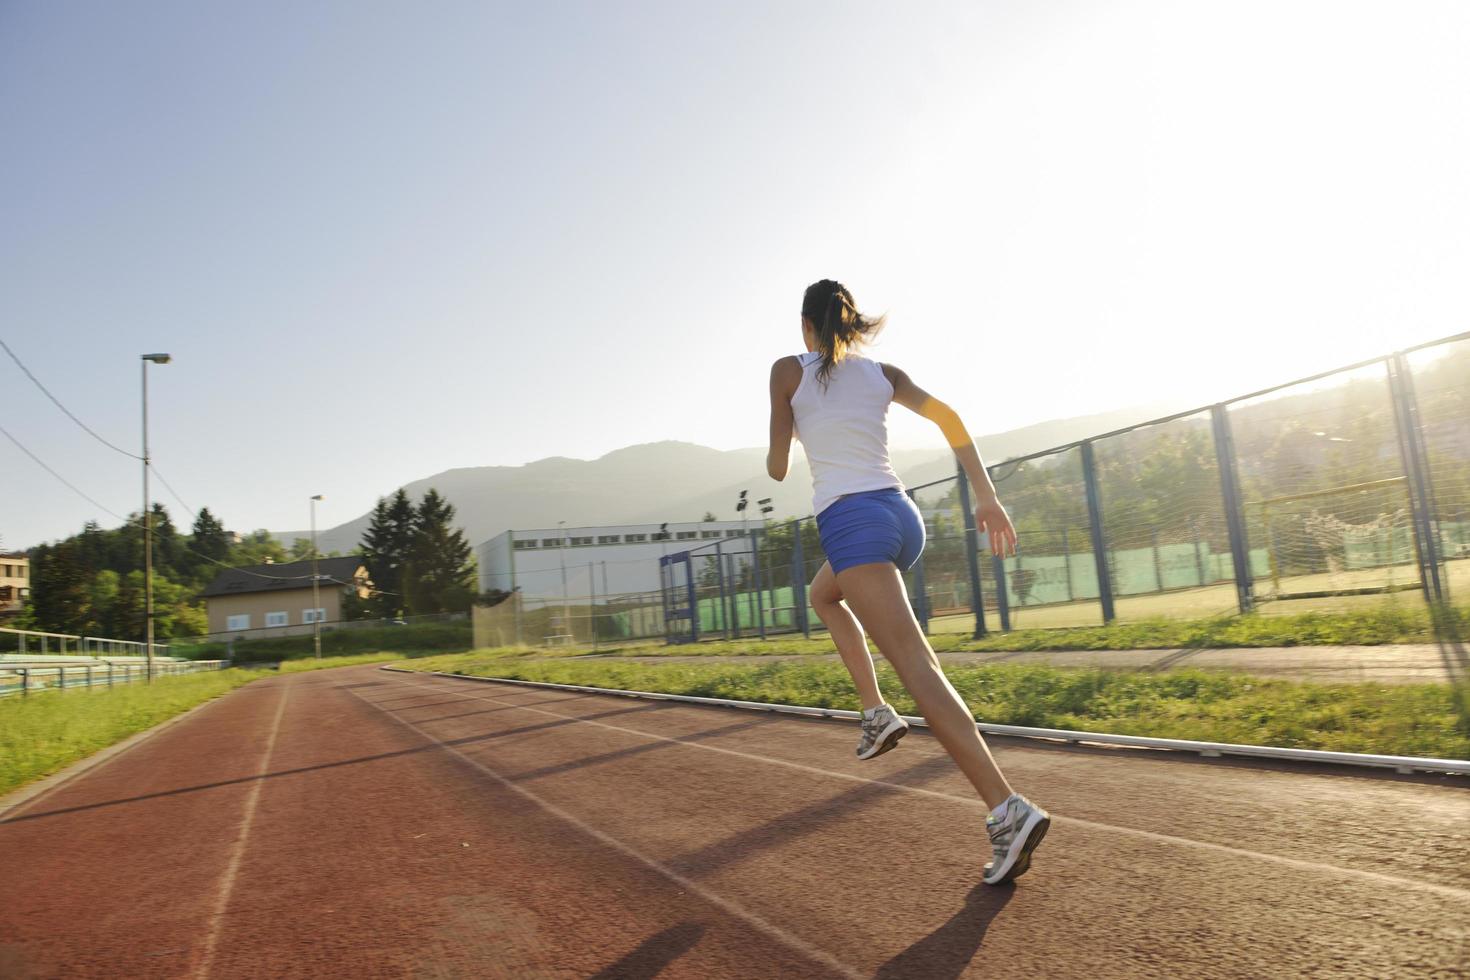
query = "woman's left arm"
x=785 y=376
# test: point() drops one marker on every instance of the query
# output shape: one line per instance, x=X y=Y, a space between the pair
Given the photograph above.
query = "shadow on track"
x=633 y=750
x=803 y=822
x=467 y=740
x=654 y=954
x=947 y=951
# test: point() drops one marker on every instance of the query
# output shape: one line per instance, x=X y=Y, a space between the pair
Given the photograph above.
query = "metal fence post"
x=1234 y=511
x=663 y=594
x=1099 y=542
x=755 y=567
x=1067 y=563
x=25 y=681
x=720 y=581
x=798 y=580
x=1413 y=454
x=688 y=563
x=1002 y=591
x=972 y=551
x=61 y=678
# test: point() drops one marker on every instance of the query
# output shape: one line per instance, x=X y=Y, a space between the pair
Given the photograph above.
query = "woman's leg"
x=826 y=599
x=876 y=595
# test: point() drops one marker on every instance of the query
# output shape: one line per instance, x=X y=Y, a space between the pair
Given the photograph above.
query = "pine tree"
x=385 y=548
x=61 y=588
x=439 y=575
x=210 y=539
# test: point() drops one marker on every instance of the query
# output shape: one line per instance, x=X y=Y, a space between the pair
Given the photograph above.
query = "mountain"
x=676 y=481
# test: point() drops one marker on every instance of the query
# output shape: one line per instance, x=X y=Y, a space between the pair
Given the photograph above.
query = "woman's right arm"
x=990 y=516
x=785 y=377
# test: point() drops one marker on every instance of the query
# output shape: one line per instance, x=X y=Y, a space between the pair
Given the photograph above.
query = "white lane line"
x=1374 y=877
x=749 y=918
x=232 y=870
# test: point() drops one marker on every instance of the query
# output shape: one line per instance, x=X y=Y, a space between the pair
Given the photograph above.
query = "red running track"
x=367 y=823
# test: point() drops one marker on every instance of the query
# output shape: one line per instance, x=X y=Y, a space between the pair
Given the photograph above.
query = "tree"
x=257 y=548
x=210 y=539
x=385 y=549
x=301 y=549
x=709 y=515
x=61 y=588
x=439 y=576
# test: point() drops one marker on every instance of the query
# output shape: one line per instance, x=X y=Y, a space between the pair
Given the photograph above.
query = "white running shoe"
x=882 y=728
x=1013 y=838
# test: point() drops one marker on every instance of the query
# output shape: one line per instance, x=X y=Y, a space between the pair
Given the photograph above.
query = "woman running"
x=836 y=402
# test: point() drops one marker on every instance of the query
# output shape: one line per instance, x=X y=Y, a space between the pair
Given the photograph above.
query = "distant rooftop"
x=283 y=576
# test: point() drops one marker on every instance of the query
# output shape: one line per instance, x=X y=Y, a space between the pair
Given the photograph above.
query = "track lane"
x=796 y=859
x=802 y=839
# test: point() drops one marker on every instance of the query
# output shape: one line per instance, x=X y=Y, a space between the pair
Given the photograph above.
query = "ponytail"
x=840 y=327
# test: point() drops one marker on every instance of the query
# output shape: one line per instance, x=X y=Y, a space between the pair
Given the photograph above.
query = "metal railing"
x=26 y=678
x=38 y=642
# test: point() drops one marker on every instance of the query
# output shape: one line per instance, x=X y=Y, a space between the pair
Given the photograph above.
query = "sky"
x=382 y=240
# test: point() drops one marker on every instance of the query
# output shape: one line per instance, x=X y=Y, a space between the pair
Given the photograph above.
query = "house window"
x=709 y=534
x=528 y=543
x=634 y=538
x=240 y=622
x=276 y=619
x=313 y=616
x=551 y=542
x=609 y=538
x=687 y=535
x=582 y=542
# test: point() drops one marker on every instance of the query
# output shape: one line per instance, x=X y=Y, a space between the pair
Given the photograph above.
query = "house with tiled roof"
x=279 y=597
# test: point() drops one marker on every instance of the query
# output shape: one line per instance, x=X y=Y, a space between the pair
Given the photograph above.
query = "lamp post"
x=148 y=522
x=316 y=585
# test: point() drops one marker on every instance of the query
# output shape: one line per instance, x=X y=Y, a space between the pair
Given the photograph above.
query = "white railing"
x=28 y=677
x=33 y=642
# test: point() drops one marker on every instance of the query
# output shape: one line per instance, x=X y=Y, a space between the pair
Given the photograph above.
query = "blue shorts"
x=873 y=526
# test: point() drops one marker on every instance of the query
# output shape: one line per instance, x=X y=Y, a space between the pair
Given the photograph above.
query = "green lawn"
x=1381 y=623
x=1422 y=719
x=326 y=663
x=44 y=733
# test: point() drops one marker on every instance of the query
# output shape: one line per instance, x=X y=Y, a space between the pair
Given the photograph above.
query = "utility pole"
x=148 y=521
x=316 y=585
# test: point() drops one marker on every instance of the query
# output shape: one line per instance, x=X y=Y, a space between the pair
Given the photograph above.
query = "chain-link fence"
x=1347 y=488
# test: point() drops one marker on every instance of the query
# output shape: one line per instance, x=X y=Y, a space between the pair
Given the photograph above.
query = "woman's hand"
x=992 y=518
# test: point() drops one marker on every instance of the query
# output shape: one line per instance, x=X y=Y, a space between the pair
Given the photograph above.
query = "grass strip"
x=46 y=732
x=1388 y=623
x=326 y=663
x=1407 y=719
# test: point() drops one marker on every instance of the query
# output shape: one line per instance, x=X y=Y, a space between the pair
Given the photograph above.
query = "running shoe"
x=1013 y=838
x=882 y=728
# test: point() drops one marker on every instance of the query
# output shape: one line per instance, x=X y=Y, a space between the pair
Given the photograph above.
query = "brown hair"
x=840 y=327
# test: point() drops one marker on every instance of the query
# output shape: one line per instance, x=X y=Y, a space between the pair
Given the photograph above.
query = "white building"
x=598 y=562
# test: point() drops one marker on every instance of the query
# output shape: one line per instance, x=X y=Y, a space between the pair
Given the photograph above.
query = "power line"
x=189 y=510
x=70 y=486
x=37 y=382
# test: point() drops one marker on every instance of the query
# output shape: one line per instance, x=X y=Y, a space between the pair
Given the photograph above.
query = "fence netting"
x=1325 y=493
x=1346 y=489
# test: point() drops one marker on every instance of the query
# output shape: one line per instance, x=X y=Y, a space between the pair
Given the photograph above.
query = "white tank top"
x=844 y=427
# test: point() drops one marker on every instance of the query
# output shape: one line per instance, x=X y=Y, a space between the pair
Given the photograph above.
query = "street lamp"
x=316 y=585
x=148 y=521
